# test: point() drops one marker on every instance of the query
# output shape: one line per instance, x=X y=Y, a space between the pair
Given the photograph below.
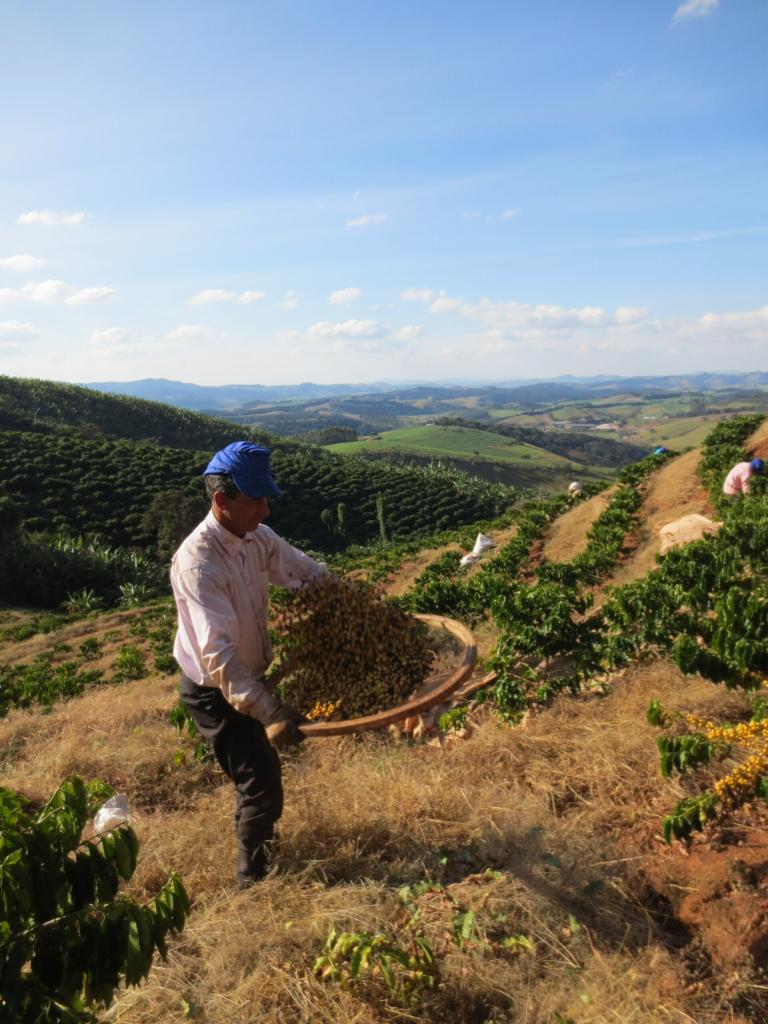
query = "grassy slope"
x=563 y=812
x=457 y=442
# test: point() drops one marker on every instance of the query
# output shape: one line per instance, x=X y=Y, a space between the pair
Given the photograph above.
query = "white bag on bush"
x=112 y=813
x=469 y=559
x=482 y=544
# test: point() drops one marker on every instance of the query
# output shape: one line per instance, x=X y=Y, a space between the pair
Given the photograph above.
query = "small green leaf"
x=574 y=925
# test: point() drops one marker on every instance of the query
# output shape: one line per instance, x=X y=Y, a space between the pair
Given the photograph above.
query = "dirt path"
x=757 y=445
x=567 y=536
x=673 y=492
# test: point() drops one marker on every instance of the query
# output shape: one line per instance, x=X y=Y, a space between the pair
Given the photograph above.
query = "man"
x=219 y=577
x=737 y=481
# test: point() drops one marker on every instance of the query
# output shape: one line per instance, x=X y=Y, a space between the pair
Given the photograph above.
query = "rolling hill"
x=512 y=865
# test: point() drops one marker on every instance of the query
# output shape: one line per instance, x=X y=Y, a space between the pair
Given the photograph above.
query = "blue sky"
x=274 y=193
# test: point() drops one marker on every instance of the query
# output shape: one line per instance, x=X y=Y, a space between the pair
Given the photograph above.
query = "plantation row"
x=543 y=619
x=100 y=488
x=705 y=605
x=63 y=672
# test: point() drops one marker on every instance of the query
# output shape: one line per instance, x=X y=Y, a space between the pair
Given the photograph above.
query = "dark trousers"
x=247 y=757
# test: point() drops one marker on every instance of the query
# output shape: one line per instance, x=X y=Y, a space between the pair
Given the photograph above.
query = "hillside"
x=105 y=487
x=454 y=441
x=47 y=407
x=482 y=451
x=525 y=850
x=585 y=449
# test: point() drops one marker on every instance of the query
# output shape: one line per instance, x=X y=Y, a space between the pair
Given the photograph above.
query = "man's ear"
x=220 y=500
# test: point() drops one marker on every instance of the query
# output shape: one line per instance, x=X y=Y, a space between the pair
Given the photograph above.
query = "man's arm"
x=207 y=613
x=288 y=566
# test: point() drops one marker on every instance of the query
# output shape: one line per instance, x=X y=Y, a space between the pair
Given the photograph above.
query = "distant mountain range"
x=229 y=397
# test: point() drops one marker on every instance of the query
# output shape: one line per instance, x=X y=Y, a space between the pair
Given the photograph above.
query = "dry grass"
x=567 y=537
x=674 y=491
x=562 y=810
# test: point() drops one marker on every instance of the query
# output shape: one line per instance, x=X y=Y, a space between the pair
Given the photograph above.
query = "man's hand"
x=282 y=728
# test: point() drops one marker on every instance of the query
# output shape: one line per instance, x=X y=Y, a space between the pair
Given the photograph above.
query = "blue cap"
x=757 y=465
x=248 y=465
x=661 y=450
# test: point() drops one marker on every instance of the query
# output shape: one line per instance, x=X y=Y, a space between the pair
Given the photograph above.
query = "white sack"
x=685 y=530
x=469 y=559
x=112 y=813
x=482 y=544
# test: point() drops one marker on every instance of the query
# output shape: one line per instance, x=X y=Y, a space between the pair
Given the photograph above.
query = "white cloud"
x=590 y=315
x=630 y=314
x=444 y=304
x=51 y=218
x=509 y=214
x=343 y=295
x=695 y=9
x=417 y=294
x=751 y=319
x=290 y=301
x=367 y=220
x=89 y=295
x=15 y=330
x=109 y=336
x=409 y=332
x=494 y=347
x=519 y=315
x=286 y=334
x=34 y=291
x=43 y=291
x=24 y=263
x=348 y=329
x=361 y=335
x=188 y=332
x=211 y=295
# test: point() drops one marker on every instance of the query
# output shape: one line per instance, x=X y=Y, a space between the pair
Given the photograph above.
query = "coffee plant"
x=68 y=937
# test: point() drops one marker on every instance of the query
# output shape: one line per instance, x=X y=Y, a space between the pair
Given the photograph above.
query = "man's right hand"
x=284 y=734
x=282 y=728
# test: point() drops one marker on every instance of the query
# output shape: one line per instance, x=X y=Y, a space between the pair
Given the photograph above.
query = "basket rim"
x=382 y=719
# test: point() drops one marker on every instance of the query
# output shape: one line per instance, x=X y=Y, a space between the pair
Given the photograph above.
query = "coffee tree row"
x=102 y=489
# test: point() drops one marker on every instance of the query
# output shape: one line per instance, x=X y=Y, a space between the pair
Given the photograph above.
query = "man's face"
x=242 y=514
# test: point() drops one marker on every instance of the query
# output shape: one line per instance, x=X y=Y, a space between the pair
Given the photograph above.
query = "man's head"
x=239 y=482
x=756 y=465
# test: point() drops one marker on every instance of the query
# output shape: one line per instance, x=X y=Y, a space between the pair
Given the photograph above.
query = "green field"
x=457 y=443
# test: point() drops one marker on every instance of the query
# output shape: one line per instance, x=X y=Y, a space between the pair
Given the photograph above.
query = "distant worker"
x=219 y=577
x=661 y=450
x=737 y=481
x=575 y=489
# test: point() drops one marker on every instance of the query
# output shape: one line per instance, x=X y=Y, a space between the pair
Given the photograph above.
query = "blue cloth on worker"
x=248 y=465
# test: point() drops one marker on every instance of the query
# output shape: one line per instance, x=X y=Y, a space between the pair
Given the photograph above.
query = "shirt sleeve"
x=746 y=474
x=290 y=567
x=211 y=619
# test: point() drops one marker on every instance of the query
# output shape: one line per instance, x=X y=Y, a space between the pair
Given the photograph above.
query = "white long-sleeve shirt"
x=737 y=481
x=220 y=582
